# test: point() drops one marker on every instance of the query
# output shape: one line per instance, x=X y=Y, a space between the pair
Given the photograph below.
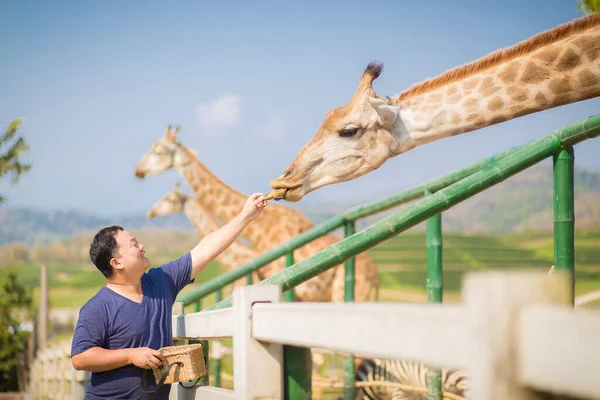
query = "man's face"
x=130 y=254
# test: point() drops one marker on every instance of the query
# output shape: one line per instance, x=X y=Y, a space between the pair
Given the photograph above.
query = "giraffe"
x=553 y=68
x=178 y=201
x=275 y=225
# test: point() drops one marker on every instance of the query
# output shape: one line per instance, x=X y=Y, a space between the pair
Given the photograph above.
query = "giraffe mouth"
x=277 y=195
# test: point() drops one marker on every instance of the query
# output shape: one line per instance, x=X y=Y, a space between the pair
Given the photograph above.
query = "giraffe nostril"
x=287 y=173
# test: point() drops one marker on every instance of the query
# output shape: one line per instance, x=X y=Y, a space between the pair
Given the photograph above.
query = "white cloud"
x=220 y=114
x=273 y=128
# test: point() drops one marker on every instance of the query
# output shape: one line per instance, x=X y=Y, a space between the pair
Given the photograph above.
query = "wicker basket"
x=193 y=363
x=184 y=363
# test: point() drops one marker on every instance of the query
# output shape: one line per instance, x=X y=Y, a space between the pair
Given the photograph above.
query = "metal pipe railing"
x=435 y=289
x=349 y=267
x=564 y=215
x=507 y=166
x=336 y=222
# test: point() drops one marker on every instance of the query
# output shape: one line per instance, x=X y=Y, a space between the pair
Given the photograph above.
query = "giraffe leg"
x=337 y=289
x=366 y=278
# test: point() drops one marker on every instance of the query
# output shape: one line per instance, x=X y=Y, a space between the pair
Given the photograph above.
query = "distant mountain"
x=522 y=202
x=525 y=202
x=29 y=226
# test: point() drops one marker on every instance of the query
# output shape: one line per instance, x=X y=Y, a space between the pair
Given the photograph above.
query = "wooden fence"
x=52 y=376
x=515 y=334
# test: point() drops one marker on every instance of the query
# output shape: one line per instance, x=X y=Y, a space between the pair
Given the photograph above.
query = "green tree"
x=15 y=307
x=9 y=159
x=588 y=6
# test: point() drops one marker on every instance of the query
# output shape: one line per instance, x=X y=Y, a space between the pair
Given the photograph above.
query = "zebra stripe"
x=408 y=381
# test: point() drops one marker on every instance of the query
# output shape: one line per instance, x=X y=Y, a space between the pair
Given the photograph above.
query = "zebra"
x=404 y=380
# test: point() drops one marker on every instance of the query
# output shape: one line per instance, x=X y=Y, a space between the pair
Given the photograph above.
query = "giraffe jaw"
x=278 y=194
x=291 y=194
x=294 y=195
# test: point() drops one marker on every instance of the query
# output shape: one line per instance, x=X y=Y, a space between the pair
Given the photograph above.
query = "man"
x=120 y=329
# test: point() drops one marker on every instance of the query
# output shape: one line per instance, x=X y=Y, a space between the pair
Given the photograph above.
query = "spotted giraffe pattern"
x=550 y=74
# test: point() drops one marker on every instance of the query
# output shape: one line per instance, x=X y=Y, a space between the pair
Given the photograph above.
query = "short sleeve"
x=91 y=330
x=179 y=271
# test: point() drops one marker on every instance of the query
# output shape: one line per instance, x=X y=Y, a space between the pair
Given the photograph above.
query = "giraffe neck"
x=276 y=223
x=236 y=254
x=539 y=74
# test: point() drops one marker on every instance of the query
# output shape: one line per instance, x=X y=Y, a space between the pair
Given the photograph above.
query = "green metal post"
x=435 y=289
x=564 y=215
x=297 y=360
x=298 y=369
x=349 y=230
x=204 y=380
x=217 y=361
x=249 y=279
x=433 y=239
x=289 y=261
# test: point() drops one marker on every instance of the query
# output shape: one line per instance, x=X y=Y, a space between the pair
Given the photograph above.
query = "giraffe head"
x=172 y=203
x=352 y=140
x=162 y=155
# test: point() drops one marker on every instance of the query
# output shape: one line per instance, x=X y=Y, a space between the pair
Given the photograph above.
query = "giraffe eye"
x=348 y=131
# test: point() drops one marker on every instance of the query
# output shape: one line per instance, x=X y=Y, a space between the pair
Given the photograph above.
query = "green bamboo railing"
x=441 y=200
x=435 y=290
x=334 y=223
x=349 y=390
x=297 y=360
x=454 y=187
x=564 y=215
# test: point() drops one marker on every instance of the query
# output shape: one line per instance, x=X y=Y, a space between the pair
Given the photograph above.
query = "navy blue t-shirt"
x=112 y=321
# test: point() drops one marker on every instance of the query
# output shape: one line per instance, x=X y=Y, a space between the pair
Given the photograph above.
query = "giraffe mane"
x=502 y=55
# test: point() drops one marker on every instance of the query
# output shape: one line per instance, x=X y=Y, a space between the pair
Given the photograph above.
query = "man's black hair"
x=103 y=248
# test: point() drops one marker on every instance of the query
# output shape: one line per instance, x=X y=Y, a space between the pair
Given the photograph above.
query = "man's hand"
x=216 y=242
x=253 y=206
x=145 y=357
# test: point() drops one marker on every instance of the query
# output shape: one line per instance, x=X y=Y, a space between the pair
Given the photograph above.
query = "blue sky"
x=249 y=83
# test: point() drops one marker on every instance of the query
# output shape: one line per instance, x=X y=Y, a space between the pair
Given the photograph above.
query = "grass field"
x=402 y=259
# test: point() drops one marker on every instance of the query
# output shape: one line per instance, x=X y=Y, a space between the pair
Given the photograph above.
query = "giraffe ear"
x=387 y=113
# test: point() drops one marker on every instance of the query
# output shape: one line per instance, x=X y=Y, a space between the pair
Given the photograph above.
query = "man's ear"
x=115 y=263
